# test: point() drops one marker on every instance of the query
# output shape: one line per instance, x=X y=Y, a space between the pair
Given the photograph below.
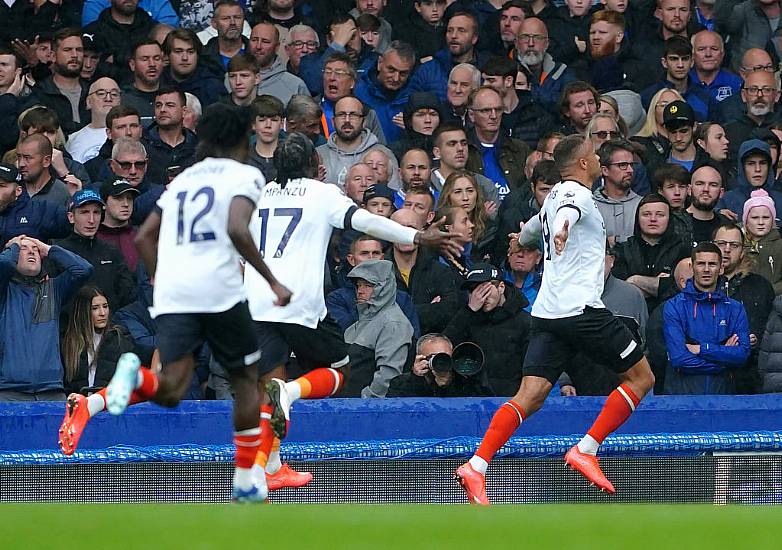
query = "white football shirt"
x=575 y=278
x=293 y=228
x=198 y=268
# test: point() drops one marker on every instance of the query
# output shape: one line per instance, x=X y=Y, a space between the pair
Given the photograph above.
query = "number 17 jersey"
x=292 y=227
x=198 y=268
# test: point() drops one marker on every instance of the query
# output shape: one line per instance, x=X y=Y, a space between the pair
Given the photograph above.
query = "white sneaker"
x=281 y=402
x=122 y=383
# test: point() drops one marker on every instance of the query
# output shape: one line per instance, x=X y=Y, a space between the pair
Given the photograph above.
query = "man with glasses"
x=302 y=40
x=275 y=80
x=613 y=195
x=752 y=290
x=754 y=60
x=760 y=95
x=349 y=142
x=490 y=151
x=121 y=121
x=104 y=94
x=548 y=76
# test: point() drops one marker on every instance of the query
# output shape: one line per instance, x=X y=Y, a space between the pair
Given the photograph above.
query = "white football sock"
x=95 y=404
x=478 y=464
x=294 y=390
x=588 y=445
x=274 y=463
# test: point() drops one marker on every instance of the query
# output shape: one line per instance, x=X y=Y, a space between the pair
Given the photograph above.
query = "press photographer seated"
x=440 y=370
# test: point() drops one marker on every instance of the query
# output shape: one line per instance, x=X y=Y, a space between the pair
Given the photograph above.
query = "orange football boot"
x=76 y=417
x=287 y=477
x=588 y=467
x=474 y=484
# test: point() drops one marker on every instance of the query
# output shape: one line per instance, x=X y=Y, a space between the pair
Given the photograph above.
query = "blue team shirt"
x=725 y=85
x=492 y=170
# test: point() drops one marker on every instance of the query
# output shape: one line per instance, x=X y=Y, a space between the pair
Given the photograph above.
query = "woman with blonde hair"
x=461 y=190
x=653 y=136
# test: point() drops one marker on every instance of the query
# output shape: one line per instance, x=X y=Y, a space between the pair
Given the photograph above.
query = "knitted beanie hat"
x=759 y=198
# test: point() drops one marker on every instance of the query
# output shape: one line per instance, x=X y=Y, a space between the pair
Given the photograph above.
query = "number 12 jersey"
x=198 y=268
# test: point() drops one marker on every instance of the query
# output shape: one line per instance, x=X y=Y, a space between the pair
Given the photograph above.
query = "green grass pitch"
x=408 y=527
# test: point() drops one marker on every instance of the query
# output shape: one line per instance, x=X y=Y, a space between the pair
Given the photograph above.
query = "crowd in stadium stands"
x=419 y=109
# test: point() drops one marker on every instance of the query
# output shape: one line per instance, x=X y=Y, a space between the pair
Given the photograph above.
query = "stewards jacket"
x=30 y=309
x=115 y=342
x=708 y=319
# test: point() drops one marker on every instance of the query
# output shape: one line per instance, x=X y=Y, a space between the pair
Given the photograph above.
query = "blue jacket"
x=160 y=10
x=547 y=89
x=734 y=199
x=42 y=220
x=698 y=97
x=30 y=320
x=205 y=83
x=311 y=66
x=432 y=76
x=721 y=88
x=341 y=305
x=385 y=105
x=708 y=319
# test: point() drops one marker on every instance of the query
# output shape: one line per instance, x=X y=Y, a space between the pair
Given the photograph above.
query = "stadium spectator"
x=524 y=271
x=34 y=158
x=167 y=142
x=754 y=59
x=578 y=103
x=753 y=291
x=653 y=136
x=424 y=28
x=64 y=91
x=380 y=342
x=360 y=177
x=11 y=89
x=648 y=258
x=672 y=181
x=119 y=26
x=430 y=284
x=385 y=88
x=268 y=115
x=770 y=356
x=441 y=381
x=706 y=333
x=160 y=10
x=495 y=320
x=706 y=190
x=31 y=367
x=415 y=171
x=463 y=79
x=452 y=148
x=304 y=115
x=243 y=79
x=421 y=115
x=421 y=201
x=679 y=121
x=92 y=344
x=115 y=228
x=275 y=80
x=710 y=137
x=461 y=35
x=104 y=94
x=19 y=215
x=569 y=29
x=762 y=237
x=129 y=161
x=110 y=272
x=379 y=200
x=228 y=20
x=746 y=24
x=753 y=172
x=382 y=29
x=549 y=76
x=342 y=304
x=188 y=70
x=384 y=167
x=760 y=95
x=462 y=190
x=146 y=64
x=121 y=121
x=708 y=75
x=302 y=40
x=615 y=199
x=490 y=152
x=349 y=142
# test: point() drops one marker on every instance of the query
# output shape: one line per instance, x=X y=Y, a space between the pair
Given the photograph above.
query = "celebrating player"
x=296 y=215
x=568 y=316
x=192 y=246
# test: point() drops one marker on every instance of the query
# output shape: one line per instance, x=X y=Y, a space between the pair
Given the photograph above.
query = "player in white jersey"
x=294 y=221
x=192 y=245
x=568 y=317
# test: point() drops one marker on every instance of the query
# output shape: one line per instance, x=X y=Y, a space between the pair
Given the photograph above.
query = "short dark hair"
x=63 y=34
x=500 y=66
x=186 y=35
x=228 y=3
x=728 y=226
x=545 y=171
x=575 y=87
x=523 y=5
x=610 y=147
x=40 y=118
x=421 y=190
x=447 y=127
x=243 y=62
x=267 y=106
x=120 y=111
x=142 y=43
x=163 y=90
x=44 y=145
x=705 y=247
x=222 y=130
x=677 y=45
x=17 y=60
x=338 y=18
x=363 y=238
x=566 y=152
x=670 y=171
x=464 y=13
x=367 y=22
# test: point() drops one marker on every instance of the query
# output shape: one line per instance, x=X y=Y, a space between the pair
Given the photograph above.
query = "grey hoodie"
x=338 y=162
x=277 y=81
x=381 y=328
x=618 y=215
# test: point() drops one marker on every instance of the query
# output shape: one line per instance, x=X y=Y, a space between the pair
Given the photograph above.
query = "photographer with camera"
x=440 y=370
x=494 y=319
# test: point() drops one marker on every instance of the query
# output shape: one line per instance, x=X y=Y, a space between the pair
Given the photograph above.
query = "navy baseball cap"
x=378 y=190
x=9 y=174
x=115 y=188
x=80 y=198
x=481 y=273
x=677 y=114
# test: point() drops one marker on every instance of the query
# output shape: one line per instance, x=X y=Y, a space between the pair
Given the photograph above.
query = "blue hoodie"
x=709 y=319
x=734 y=199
